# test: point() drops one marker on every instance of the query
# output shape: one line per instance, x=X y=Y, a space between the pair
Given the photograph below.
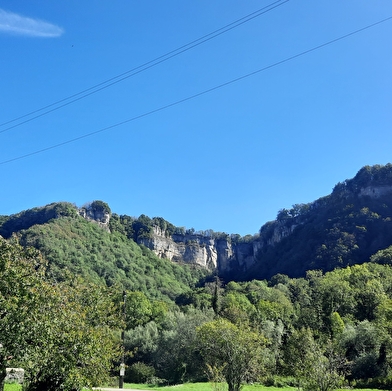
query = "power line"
x=195 y=95
x=141 y=68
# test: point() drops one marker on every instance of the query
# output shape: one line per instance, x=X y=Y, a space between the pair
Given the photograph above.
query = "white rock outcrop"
x=211 y=253
x=99 y=217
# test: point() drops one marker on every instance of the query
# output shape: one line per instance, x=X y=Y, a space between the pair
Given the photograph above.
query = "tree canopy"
x=62 y=333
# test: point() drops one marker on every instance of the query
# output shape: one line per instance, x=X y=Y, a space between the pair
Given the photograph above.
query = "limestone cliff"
x=231 y=254
x=97 y=212
x=219 y=254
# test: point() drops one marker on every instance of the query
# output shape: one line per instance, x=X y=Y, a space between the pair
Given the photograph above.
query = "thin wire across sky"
x=134 y=71
x=69 y=141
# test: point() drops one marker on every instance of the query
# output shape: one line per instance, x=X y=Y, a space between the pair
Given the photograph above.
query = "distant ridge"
x=347 y=227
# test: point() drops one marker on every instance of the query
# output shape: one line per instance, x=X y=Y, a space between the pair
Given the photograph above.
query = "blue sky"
x=226 y=160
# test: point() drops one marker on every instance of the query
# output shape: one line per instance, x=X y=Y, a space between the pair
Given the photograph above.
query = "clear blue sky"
x=227 y=160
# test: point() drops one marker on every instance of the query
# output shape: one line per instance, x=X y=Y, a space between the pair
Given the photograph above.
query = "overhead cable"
x=134 y=71
x=195 y=95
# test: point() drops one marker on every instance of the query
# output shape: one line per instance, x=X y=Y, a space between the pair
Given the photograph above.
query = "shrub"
x=139 y=372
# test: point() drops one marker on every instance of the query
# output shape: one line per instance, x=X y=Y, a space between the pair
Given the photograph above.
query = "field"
x=209 y=387
x=206 y=387
x=12 y=387
x=203 y=387
x=185 y=387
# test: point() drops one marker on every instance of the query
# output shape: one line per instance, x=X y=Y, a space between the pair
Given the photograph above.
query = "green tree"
x=197 y=298
x=383 y=257
x=363 y=346
x=62 y=334
x=176 y=358
x=73 y=346
x=298 y=354
x=368 y=291
x=21 y=276
x=235 y=351
x=314 y=370
x=216 y=297
x=337 y=324
x=281 y=309
x=139 y=310
x=100 y=206
x=274 y=333
x=237 y=308
x=322 y=375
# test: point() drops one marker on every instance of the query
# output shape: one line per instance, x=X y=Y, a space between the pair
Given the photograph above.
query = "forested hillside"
x=75 y=245
x=319 y=332
x=347 y=227
x=63 y=308
x=344 y=228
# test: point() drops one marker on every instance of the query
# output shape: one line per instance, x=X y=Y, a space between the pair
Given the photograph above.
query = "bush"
x=380 y=383
x=139 y=372
x=279 y=381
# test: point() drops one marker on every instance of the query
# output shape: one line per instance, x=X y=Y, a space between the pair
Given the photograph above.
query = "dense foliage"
x=30 y=217
x=344 y=228
x=65 y=335
x=144 y=227
x=322 y=331
x=62 y=309
x=85 y=249
x=233 y=353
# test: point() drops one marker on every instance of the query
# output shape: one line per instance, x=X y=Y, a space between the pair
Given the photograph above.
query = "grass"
x=12 y=387
x=202 y=387
x=209 y=387
x=185 y=387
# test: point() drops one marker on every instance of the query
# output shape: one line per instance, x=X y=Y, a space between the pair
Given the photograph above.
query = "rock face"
x=99 y=217
x=222 y=253
x=97 y=212
x=212 y=253
x=375 y=191
x=226 y=254
x=280 y=231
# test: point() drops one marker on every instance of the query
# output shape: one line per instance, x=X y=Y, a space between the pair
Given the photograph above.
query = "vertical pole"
x=122 y=365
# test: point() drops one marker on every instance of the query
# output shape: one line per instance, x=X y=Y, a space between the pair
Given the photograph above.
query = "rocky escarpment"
x=221 y=254
x=228 y=254
x=347 y=226
x=375 y=191
x=97 y=212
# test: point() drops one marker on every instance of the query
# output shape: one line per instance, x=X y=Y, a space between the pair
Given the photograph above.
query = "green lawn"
x=12 y=387
x=185 y=387
x=202 y=387
x=209 y=387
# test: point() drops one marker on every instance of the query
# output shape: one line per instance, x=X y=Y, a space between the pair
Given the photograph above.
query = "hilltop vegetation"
x=344 y=228
x=28 y=218
x=71 y=243
x=314 y=310
x=334 y=327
